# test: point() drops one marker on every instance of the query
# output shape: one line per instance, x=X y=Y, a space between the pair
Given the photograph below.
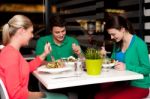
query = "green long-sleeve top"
x=137 y=60
x=58 y=51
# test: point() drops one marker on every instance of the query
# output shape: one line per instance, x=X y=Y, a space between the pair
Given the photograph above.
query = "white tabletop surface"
x=50 y=81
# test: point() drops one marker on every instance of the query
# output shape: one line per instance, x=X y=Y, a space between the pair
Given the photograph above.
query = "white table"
x=84 y=79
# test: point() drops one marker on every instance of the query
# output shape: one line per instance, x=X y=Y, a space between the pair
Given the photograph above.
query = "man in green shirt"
x=62 y=46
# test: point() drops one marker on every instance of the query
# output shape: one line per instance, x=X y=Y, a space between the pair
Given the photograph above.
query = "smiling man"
x=62 y=45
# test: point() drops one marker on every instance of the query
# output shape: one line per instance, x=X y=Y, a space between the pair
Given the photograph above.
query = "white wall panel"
x=147 y=25
x=147 y=1
x=146 y=12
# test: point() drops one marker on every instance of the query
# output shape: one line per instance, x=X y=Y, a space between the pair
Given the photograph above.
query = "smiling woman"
x=16 y=33
x=130 y=57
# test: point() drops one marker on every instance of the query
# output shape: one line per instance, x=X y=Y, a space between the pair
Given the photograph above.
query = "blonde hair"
x=10 y=28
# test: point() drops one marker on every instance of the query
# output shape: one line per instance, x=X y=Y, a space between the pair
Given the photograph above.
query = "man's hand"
x=76 y=49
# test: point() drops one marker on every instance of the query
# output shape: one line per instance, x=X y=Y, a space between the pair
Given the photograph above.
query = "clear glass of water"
x=78 y=67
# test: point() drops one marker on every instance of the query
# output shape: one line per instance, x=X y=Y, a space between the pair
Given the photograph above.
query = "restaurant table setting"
x=74 y=74
x=56 y=81
x=62 y=68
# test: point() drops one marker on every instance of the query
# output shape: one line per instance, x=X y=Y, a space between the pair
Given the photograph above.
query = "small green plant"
x=92 y=53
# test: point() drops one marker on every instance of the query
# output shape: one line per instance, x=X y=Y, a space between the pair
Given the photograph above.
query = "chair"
x=1 y=47
x=54 y=96
x=3 y=91
x=50 y=95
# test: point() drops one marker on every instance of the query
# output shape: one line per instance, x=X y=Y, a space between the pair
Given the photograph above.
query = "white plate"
x=43 y=68
x=69 y=63
x=108 y=65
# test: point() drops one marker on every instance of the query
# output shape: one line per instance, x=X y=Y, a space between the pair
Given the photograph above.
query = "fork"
x=52 y=57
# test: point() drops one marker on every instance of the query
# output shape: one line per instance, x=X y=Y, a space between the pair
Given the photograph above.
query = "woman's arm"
x=144 y=64
x=40 y=59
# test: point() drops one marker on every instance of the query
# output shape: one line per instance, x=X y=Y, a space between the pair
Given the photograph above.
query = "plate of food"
x=54 y=67
x=108 y=63
x=70 y=61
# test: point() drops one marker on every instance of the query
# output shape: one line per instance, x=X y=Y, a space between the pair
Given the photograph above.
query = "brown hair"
x=56 y=20
x=10 y=28
x=118 y=22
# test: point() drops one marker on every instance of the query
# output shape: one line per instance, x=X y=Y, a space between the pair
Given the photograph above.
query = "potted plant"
x=93 y=61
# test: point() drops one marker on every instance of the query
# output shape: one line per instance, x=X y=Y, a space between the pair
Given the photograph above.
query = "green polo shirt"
x=58 y=51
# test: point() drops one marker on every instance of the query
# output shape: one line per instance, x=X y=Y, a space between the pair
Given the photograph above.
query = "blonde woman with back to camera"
x=14 y=69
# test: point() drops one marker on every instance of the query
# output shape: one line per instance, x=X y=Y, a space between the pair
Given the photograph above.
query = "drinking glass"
x=78 y=67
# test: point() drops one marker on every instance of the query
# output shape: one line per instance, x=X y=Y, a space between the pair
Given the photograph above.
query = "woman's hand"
x=76 y=49
x=120 y=66
x=103 y=52
x=47 y=50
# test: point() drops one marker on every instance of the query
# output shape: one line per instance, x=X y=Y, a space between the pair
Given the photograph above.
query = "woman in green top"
x=132 y=54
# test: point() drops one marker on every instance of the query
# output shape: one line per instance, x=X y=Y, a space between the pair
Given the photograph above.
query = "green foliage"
x=92 y=53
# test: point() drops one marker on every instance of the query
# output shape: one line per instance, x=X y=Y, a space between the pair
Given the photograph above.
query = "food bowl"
x=69 y=62
x=70 y=65
x=109 y=65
